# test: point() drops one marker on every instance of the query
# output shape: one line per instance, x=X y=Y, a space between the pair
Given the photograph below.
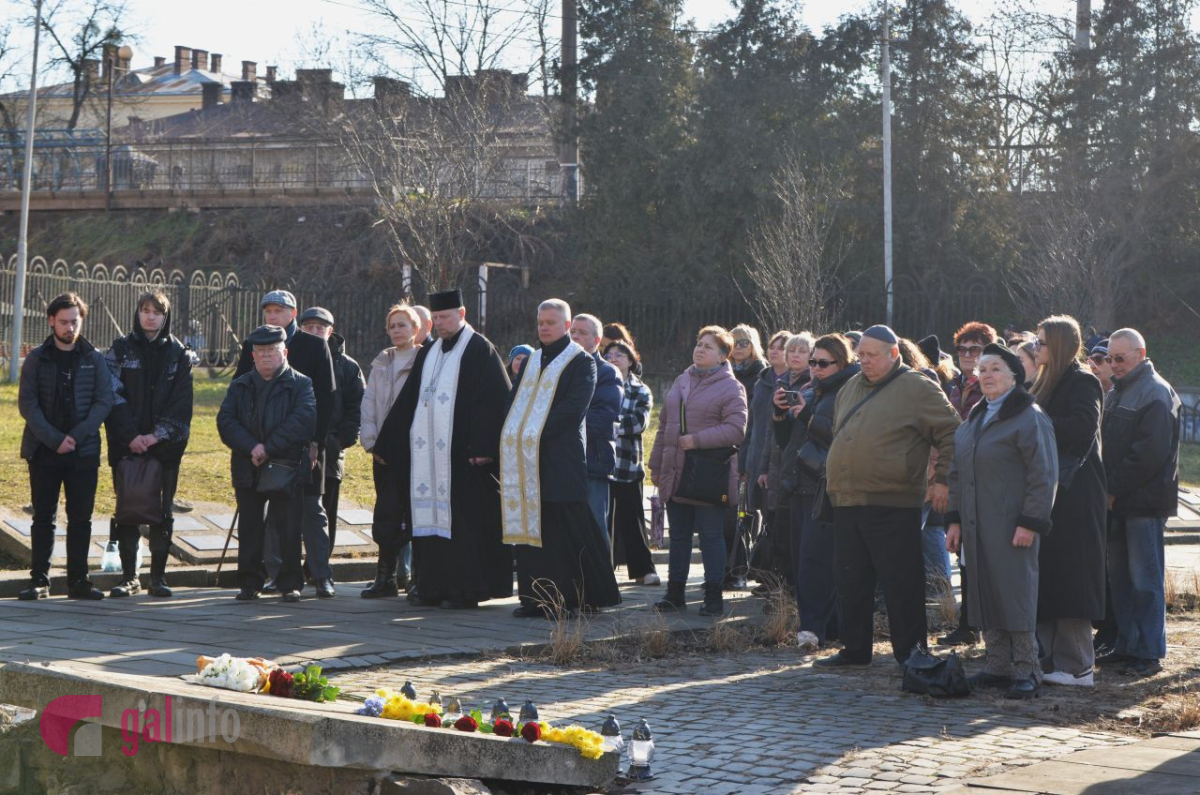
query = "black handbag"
x=1067 y=470
x=705 y=474
x=940 y=677
x=811 y=459
x=138 y=481
x=277 y=478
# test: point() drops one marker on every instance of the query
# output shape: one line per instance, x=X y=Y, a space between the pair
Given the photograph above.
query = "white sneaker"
x=807 y=641
x=651 y=579
x=1063 y=678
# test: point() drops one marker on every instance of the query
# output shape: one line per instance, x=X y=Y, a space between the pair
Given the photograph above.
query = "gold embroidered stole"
x=520 y=447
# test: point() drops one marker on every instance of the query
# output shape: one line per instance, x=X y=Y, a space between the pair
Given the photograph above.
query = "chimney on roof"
x=249 y=70
x=271 y=72
x=241 y=91
x=215 y=63
x=200 y=59
x=211 y=93
x=183 y=59
x=390 y=88
x=159 y=60
x=91 y=70
x=108 y=56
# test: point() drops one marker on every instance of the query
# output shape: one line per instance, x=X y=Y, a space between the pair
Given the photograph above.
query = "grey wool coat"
x=1004 y=476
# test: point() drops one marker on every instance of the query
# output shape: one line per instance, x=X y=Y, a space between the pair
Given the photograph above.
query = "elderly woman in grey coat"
x=1002 y=485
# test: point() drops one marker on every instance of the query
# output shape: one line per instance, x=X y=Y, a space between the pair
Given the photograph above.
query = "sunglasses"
x=1119 y=359
x=969 y=350
x=821 y=363
x=742 y=344
x=1100 y=357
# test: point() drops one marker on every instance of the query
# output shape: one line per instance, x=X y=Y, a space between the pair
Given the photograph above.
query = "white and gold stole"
x=520 y=447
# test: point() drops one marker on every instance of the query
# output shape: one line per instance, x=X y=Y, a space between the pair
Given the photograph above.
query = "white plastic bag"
x=111 y=559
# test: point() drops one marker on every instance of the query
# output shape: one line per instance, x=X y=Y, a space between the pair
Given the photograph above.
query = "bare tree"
x=445 y=39
x=78 y=31
x=793 y=261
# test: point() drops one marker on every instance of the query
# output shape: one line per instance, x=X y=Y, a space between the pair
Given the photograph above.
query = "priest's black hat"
x=446 y=299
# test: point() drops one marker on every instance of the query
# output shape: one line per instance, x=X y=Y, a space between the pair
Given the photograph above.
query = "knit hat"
x=882 y=333
x=853 y=335
x=520 y=350
x=1011 y=359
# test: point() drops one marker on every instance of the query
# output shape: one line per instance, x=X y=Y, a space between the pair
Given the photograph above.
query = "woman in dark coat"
x=1072 y=558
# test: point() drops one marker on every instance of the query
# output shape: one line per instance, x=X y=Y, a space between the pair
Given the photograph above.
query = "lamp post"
x=18 y=305
x=121 y=55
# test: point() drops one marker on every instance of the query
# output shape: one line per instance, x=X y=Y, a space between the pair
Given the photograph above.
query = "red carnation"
x=503 y=728
x=531 y=731
x=466 y=724
x=433 y=720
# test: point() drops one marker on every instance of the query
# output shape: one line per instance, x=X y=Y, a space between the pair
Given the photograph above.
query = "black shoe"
x=840 y=661
x=34 y=592
x=270 y=586
x=959 y=637
x=674 y=601
x=126 y=588
x=158 y=574
x=1114 y=658
x=530 y=611
x=325 y=589
x=459 y=604
x=1022 y=689
x=985 y=679
x=1142 y=668
x=380 y=589
x=714 y=602
x=84 y=590
x=1103 y=640
x=291 y=596
x=246 y=595
x=159 y=588
x=1103 y=650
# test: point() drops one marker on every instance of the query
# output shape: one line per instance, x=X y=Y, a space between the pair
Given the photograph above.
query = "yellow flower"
x=383 y=692
x=591 y=752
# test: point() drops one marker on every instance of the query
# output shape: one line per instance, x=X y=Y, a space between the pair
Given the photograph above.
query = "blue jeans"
x=937 y=559
x=707 y=521
x=1136 y=569
x=598 y=504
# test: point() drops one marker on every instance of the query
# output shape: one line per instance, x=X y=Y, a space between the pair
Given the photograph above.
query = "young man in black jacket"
x=347 y=409
x=310 y=357
x=65 y=394
x=152 y=385
x=267 y=420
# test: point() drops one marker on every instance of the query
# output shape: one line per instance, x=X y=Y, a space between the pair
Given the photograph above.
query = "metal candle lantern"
x=641 y=752
x=500 y=710
x=529 y=712
x=408 y=691
x=611 y=732
x=453 y=709
x=435 y=700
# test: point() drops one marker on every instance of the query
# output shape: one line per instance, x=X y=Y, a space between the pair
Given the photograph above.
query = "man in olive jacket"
x=876 y=482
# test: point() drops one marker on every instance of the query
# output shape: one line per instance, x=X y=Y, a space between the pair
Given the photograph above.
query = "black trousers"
x=875 y=543
x=285 y=516
x=46 y=479
x=627 y=517
x=816 y=593
x=330 y=499
x=127 y=535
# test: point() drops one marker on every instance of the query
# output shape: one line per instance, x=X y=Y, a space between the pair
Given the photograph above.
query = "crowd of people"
x=1047 y=463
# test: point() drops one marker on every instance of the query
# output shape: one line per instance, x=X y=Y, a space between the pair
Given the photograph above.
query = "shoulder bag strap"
x=865 y=400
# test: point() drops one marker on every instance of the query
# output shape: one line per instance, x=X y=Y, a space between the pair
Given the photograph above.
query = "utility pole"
x=886 y=79
x=568 y=156
x=1083 y=25
x=18 y=305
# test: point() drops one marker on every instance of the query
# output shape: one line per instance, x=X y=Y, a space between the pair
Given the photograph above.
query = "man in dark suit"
x=602 y=415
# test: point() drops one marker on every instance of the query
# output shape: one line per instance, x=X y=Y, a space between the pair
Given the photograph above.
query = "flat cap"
x=267 y=335
x=318 y=313
x=281 y=297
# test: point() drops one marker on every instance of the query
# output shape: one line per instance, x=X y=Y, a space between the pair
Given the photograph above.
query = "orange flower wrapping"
x=531 y=731
x=466 y=724
x=433 y=720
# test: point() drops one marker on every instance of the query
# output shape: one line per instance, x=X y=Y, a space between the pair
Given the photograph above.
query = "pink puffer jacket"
x=716 y=417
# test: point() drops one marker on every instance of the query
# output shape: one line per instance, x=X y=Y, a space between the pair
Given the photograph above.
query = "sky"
x=274 y=31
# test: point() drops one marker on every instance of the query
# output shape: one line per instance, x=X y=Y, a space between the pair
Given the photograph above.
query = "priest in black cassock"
x=441 y=440
x=561 y=554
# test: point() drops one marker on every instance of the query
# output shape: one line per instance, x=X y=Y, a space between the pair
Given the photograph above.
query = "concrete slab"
x=357 y=516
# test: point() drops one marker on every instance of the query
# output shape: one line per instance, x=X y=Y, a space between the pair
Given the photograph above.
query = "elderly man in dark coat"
x=267 y=419
x=1002 y=483
x=561 y=553
x=441 y=440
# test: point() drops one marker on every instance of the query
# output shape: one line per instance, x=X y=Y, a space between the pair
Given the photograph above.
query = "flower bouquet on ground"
x=241 y=674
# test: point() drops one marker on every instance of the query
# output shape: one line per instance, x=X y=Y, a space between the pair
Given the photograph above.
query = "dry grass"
x=1177 y=713
x=783 y=618
x=725 y=637
x=1182 y=591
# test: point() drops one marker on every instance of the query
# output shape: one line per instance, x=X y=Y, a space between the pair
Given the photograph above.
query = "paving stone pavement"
x=762 y=722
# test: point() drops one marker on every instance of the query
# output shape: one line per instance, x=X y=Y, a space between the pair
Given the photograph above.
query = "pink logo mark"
x=60 y=715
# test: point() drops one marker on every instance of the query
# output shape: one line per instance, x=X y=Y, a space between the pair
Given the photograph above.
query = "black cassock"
x=473 y=565
x=574 y=556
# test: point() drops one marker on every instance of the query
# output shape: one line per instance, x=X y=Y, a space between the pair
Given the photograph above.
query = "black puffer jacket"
x=814 y=423
x=289 y=421
x=162 y=406
x=1141 y=444
x=37 y=400
x=347 y=408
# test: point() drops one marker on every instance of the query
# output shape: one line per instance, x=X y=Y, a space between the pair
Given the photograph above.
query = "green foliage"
x=311 y=685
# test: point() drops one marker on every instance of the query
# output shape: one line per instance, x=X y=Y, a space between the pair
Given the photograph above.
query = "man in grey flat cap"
x=309 y=356
x=876 y=482
x=267 y=419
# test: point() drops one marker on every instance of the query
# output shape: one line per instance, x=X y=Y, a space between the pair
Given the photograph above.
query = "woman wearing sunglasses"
x=805 y=429
x=1072 y=555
